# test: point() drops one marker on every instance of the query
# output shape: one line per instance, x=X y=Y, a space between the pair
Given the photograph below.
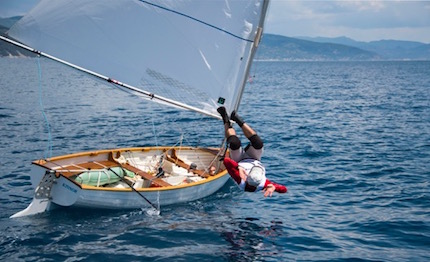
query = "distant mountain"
x=276 y=47
x=386 y=49
x=8 y=22
x=7 y=49
x=342 y=40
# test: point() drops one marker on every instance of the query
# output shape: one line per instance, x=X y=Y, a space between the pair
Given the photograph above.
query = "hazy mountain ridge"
x=7 y=49
x=8 y=22
x=282 y=48
x=387 y=49
x=276 y=47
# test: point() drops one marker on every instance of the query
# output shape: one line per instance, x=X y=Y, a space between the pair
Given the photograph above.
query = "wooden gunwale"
x=109 y=163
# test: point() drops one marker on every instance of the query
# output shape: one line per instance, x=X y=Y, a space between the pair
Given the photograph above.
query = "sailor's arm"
x=233 y=169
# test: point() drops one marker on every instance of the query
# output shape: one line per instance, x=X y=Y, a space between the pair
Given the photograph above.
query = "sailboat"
x=192 y=55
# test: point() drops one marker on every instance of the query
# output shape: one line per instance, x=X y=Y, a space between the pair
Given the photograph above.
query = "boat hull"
x=132 y=200
x=54 y=183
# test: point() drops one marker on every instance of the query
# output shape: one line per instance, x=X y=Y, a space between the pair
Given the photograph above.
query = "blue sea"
x=350 y=140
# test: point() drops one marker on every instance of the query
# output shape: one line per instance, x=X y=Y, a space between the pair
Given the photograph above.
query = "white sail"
x=194 y=52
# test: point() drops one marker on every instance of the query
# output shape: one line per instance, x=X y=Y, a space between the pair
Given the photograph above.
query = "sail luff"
x=256 y=42
x=110 y=80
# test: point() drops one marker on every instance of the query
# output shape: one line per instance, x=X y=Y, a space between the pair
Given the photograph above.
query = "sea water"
x=350 y=140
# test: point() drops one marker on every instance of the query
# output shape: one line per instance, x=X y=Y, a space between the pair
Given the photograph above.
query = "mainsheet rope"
x=48 y=152
x=153 y=124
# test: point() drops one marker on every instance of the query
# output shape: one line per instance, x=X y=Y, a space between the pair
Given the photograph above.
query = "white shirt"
x=247 y=165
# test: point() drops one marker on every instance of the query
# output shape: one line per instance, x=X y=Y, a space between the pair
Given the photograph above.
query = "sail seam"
x=197 y=20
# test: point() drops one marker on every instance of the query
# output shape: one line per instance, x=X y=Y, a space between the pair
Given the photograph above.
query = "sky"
x=360 y=20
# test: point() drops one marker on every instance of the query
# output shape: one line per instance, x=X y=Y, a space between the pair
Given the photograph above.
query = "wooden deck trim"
x=146 y=176
x=113 y=156
x=173 y=158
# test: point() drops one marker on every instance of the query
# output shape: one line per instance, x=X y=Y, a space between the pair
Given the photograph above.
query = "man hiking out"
x=244 y=165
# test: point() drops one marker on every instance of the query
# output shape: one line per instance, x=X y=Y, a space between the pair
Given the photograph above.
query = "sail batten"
x=191 y=54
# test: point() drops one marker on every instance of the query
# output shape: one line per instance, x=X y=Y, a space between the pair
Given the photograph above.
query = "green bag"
x=103 y=177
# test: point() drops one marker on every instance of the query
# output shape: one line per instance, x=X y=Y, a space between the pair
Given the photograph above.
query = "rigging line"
x=134 y=190
x=48 y=153
x=153 y=130
x=197 y=20
x=152 y=105
x=123 y=180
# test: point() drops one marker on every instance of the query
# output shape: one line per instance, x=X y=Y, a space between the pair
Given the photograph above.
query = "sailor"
x=244 y=165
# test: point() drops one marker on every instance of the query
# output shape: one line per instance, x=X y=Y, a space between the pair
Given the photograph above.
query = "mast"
x=256 y=42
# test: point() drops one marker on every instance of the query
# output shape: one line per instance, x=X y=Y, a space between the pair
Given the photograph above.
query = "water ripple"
x=350 y=141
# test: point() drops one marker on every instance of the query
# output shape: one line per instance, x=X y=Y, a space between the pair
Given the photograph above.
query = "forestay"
x=197 y=53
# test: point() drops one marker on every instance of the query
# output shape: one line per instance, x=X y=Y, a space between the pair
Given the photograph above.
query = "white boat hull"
x=132 y=200
x=64 y=191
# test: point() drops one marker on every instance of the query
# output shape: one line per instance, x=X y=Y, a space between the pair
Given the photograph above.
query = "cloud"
x=386 y=15
x=360 y=20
